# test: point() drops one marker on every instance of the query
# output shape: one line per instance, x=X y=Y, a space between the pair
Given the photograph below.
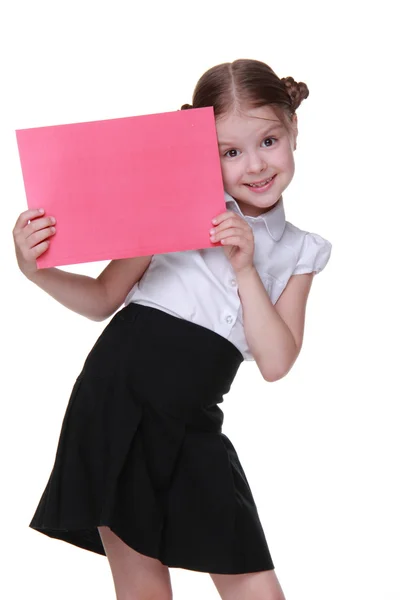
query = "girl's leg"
x=263 y=585
x=136 y=577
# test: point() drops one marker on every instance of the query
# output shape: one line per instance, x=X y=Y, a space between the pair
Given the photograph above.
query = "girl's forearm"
x=270 y=339
x=80 y=293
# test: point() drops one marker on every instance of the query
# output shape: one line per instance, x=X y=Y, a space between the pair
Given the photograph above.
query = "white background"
x=321 y=446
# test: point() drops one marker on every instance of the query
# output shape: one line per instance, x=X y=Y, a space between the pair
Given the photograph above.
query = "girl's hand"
x=236 y=235
x=31 y=233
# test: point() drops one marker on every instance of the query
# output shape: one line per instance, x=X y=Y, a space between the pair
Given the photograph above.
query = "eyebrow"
x=265 y=132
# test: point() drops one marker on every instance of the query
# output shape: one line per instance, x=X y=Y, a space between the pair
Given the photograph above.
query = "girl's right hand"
x=31 y=233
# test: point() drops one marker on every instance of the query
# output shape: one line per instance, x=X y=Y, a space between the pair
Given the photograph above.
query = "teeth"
x=260 y=184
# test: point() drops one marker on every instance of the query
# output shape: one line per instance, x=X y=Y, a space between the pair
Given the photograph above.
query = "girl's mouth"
x=261 y=186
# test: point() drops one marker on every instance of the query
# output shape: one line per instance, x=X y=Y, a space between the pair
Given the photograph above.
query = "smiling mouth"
x=260 y=184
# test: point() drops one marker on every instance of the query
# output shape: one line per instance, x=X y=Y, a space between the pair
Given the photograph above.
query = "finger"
x=39 y=249
x=237 y=240
x=239 y=225
x=220 y=234
x=37 y=225
x=28 y=246
x=26 y=216
x=228 y=223
x=223 y=216
x=38 y=236
x=237 y=231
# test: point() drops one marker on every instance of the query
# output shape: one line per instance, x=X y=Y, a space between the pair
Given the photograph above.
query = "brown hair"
x=247 y=82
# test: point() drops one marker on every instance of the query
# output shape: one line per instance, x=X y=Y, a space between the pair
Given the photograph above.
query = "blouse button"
x=229 y=319
x=233 y=281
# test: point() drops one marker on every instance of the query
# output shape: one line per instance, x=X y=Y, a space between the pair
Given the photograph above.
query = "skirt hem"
x=172 y=564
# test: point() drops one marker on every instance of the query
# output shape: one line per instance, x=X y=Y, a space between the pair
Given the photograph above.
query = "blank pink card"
x=125 y=187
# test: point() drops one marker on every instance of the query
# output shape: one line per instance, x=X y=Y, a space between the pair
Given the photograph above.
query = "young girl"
x=143 y=473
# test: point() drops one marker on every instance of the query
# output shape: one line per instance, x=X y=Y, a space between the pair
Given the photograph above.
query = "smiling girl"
x=143 y=473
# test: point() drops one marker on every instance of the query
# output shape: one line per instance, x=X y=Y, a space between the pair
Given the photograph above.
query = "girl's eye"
x=269 y=139
x=232 y=153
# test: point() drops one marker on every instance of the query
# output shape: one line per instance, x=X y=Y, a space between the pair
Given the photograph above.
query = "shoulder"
x=310 y=251
x=296 y=252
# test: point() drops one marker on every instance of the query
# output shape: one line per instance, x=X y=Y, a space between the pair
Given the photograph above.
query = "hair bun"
x=297 y=92
x=186 y=106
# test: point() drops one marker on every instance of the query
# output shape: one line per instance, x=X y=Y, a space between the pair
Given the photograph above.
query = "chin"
x=262 y=201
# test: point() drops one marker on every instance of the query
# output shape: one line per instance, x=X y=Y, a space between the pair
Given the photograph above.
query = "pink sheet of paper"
x=124 y=187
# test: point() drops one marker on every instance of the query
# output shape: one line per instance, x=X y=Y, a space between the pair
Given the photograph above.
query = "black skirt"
x=141 y=450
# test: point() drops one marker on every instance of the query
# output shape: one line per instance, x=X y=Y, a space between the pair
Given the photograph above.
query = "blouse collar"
x=274 y=219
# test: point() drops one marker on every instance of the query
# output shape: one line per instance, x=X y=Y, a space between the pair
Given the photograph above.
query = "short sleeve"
x=314 y=254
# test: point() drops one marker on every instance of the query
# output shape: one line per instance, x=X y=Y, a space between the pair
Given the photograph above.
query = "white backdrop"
x=320 y=447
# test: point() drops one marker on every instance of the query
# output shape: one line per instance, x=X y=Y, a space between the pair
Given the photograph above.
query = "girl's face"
x=254 y=147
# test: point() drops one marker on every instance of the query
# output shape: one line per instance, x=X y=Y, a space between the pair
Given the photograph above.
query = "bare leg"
x=263 y=585
x=136 y=577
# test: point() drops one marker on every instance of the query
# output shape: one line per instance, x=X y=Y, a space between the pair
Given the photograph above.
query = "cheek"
x=287 y=161
x=228 y=173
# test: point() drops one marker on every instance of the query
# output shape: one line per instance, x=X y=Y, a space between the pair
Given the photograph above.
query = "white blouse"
x=200 y=285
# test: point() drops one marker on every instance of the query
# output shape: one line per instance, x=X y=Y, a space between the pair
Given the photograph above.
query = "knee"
x=164 y=593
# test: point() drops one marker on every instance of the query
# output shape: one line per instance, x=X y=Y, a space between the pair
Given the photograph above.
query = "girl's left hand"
x=237 y=238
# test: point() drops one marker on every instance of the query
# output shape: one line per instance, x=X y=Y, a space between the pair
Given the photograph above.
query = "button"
x=233 y=281
x=228 y=319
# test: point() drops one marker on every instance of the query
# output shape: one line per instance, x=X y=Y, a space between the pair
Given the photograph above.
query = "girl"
x=143 y=472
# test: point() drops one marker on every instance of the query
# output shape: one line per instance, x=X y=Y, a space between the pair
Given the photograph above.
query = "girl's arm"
x=97 y=298
x=274 y=333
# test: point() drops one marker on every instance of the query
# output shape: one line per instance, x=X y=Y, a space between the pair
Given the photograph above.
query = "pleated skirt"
x=141 y=450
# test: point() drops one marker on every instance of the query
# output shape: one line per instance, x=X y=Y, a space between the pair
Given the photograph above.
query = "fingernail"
x=212 y=231
x=41 y=210
x=214 y=221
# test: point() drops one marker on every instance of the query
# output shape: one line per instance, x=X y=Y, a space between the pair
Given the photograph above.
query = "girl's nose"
x=256 y=164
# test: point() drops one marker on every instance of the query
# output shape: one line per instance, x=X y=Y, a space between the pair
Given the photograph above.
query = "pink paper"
x=125 y=187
